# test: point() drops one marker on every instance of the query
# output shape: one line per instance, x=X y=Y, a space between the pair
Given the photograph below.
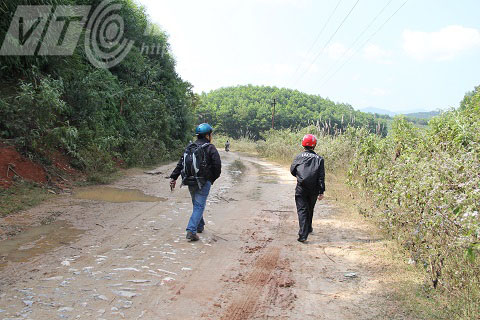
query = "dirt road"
x=96 y=259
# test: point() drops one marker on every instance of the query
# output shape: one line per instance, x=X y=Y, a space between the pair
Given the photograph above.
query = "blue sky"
x=426 y=57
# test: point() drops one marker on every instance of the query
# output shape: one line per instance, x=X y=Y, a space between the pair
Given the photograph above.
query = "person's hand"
x=172 y=184
x=320 y=197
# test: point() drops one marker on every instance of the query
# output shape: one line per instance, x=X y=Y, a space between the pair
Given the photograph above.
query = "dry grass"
x=237 y=145
x=21 y=196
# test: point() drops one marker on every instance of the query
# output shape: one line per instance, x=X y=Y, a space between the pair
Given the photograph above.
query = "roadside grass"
x=237 y=145
x=245 y=145
x=20 y=196
x=406 y=284
x=100 y=178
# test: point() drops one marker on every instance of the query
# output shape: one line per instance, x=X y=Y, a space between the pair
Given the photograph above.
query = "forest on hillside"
x=137 y=112
x=246 y=111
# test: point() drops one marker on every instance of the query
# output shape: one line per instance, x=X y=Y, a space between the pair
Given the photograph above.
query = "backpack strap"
x=204 y=161
x=185 y=153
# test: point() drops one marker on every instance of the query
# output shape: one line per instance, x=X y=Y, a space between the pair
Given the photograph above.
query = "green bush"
x=139 y=111
x=427 y=184
x=35 y=116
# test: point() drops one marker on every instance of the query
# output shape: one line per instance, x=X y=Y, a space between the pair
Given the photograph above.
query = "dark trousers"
x=305 y=205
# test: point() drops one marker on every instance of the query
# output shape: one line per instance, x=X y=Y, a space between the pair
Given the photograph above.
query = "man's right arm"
x=178 y=169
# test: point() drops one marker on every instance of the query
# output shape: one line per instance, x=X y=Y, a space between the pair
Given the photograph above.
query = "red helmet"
x=309 y=141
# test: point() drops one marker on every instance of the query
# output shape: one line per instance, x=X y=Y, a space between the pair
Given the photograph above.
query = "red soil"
x=26 y=169
x=60 y=161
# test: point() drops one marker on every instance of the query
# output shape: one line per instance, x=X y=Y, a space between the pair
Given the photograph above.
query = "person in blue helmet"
x=199 y=167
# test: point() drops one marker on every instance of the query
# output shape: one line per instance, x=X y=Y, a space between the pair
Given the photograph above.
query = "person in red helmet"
x=309 y=169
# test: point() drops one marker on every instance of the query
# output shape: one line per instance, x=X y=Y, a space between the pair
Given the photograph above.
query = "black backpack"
x=194 y=172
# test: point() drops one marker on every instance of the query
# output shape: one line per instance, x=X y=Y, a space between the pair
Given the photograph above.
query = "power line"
x=319 y=34
x=329 y=40
x=359 y=37
x=363 y=45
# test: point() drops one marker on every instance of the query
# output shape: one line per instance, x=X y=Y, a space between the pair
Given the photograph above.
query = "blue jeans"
x=199 y=200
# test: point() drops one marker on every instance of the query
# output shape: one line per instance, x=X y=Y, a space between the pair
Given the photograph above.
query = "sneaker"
x=300 y=239
x=192 y=236
x=200 y=230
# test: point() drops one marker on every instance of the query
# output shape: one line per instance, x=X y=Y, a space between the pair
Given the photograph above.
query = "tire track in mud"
x=266 y=289
x=245 y=306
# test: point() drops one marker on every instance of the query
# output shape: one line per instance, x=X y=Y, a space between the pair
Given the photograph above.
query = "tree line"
x=246 y=111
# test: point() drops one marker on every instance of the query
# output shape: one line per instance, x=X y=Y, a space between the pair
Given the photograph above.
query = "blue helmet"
x=203 y=128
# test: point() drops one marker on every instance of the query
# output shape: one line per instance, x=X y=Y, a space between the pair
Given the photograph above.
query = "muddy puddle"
x=116 y=195
x=36 y=241
x=237 y=170
x=266 y=175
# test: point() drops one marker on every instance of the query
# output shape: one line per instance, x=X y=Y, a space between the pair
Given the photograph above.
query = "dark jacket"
x=214 y=164
x=309 y=169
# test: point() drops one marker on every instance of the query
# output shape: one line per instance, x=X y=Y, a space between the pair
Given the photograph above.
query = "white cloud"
x=375 y=53
x=445 y=44
x=335 y=51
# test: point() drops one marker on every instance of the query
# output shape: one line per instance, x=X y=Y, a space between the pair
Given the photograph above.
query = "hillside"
x=418 y=115
x=423 y=115
x=136 y=112
x=246 y=111
x=379 y=111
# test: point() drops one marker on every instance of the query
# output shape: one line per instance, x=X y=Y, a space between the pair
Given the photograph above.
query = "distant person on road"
x=199 y=167
x=309 y=169
x=227 y=146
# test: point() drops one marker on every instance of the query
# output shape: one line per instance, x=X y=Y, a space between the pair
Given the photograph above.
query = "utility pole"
x=274 y=103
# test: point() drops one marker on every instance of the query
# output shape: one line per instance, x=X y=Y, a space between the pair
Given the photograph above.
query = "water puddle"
x=272 y=174
x=36 y=241
x=237 y=169
x=116 y=195
x=266 y=175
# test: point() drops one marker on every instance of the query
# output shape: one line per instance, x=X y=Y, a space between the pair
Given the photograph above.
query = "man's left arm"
x=216 y=163
x=321 y=176
x=293 y=167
